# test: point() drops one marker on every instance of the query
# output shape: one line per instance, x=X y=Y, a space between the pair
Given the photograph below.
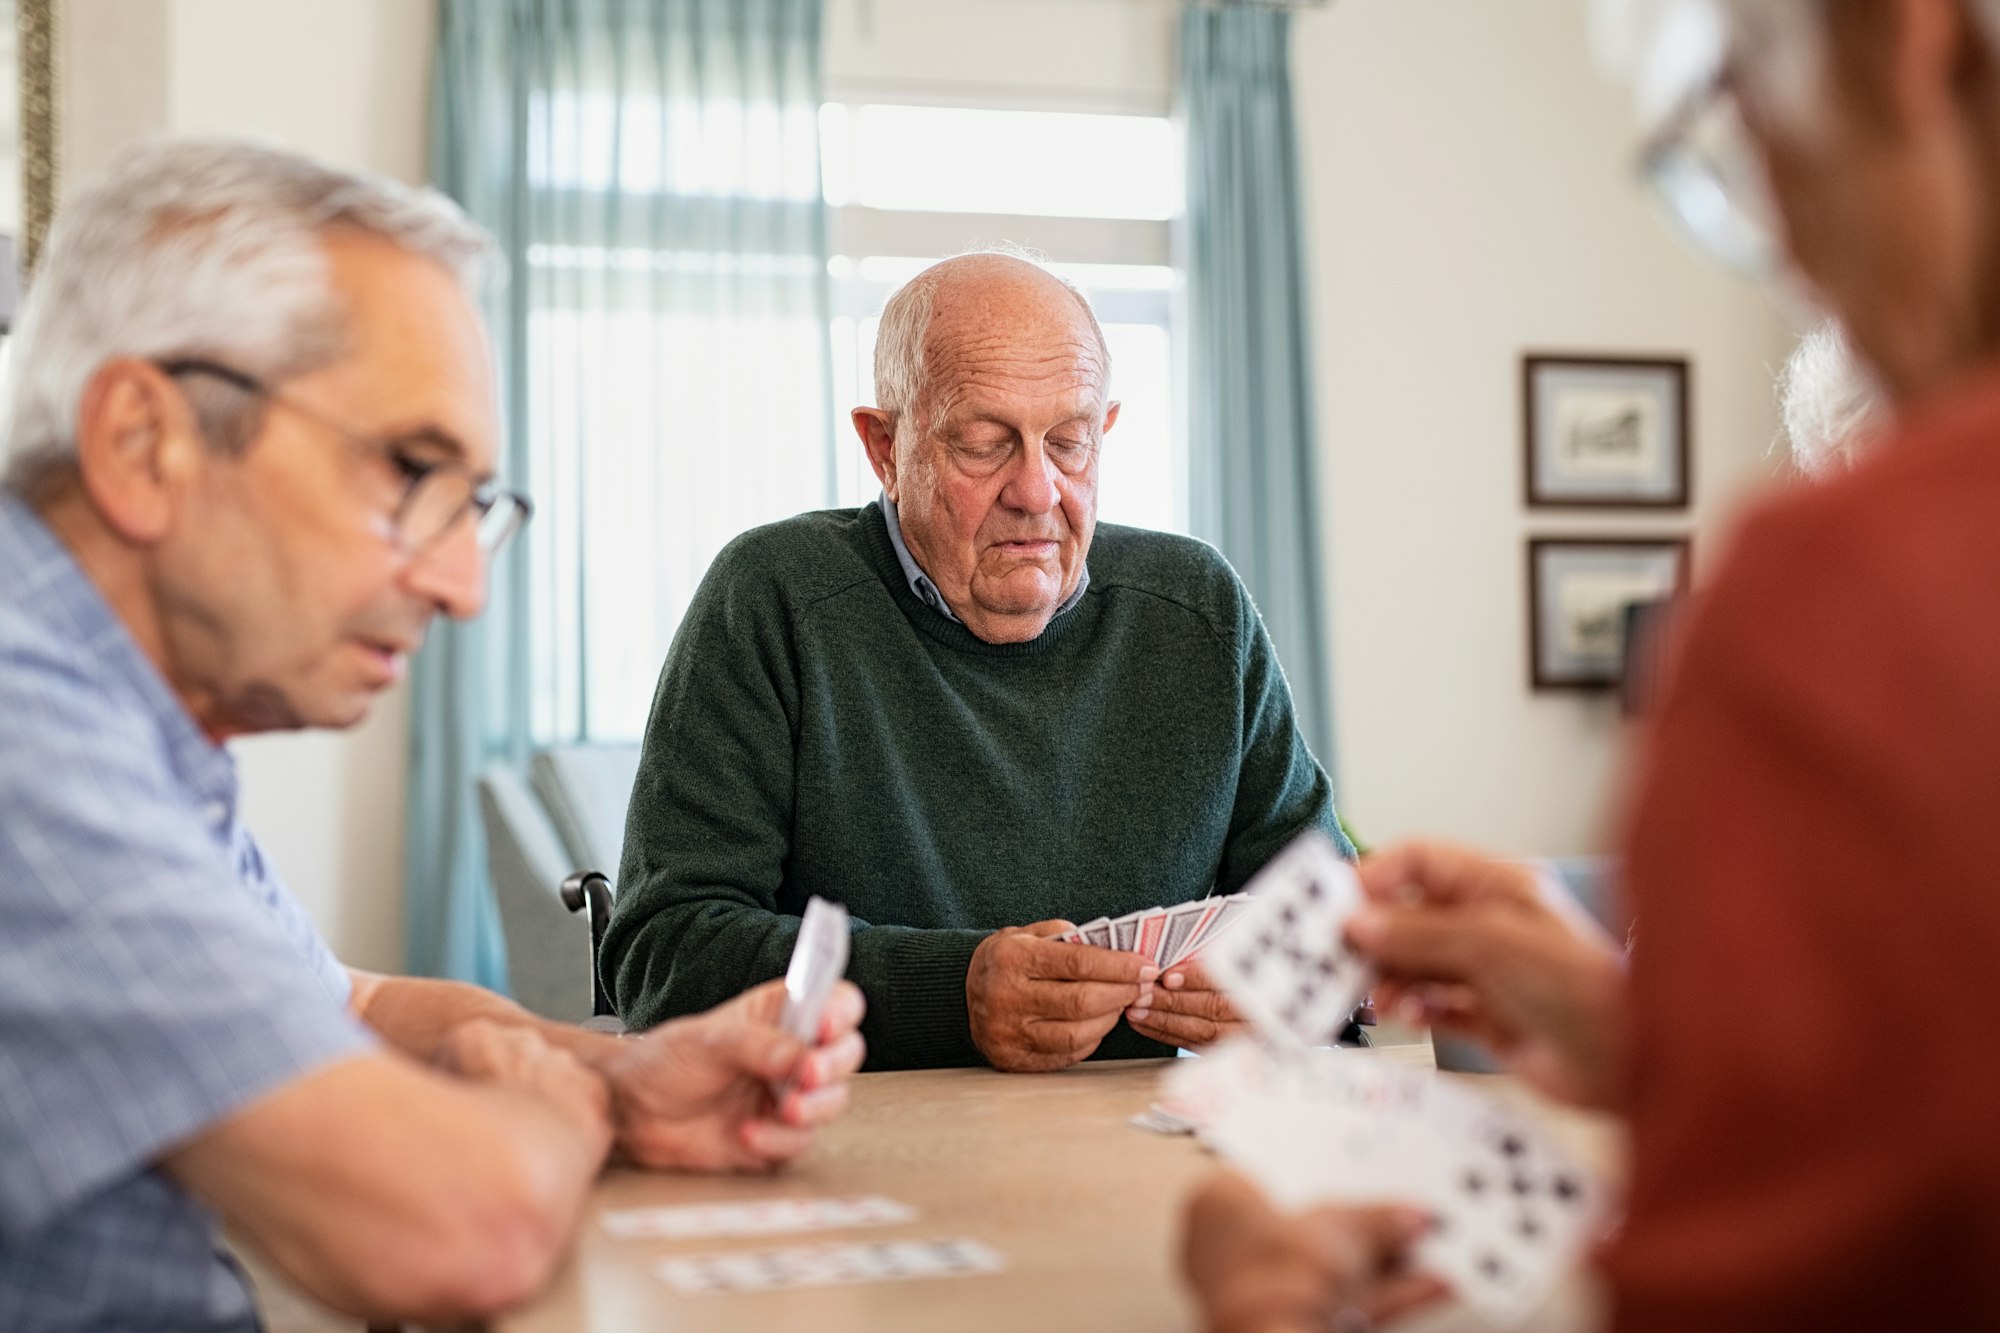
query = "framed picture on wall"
x=1581 y=596
x=1606 y=432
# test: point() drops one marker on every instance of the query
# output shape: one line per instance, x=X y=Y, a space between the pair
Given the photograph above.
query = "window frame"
x=857 y=232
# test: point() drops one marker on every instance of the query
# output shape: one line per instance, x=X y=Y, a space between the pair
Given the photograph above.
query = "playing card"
x=1219 y=915
x=1313 y=1134
x=1181 y=924
x=827 y=1266
x=1200 y=1090
x=1151 y=933
x=819 y=958
x=1097 y=933
x=1512 y=1213
x=1125 y=931
x=760 y=1218
x=1287 y=966
x=1157 y=1120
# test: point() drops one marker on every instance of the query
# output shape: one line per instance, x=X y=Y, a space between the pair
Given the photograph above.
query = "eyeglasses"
x=1705 y=171
x=437 y=494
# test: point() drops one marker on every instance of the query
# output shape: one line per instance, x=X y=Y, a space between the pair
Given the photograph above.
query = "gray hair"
x=906 y=325
x=1831 y=404
x=210 y=249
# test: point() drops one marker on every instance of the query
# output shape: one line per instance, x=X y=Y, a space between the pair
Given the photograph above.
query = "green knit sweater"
x=819 y=730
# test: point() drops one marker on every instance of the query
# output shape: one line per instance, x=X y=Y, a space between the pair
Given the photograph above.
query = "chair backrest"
x=585 y=789
x=549 y=967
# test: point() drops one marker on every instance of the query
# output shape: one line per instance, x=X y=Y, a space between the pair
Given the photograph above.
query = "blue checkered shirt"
x=154 y=974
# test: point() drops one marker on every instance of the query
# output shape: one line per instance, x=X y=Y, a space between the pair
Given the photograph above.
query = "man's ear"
x=877 y=429
x=138 y=448
x=1110 y=418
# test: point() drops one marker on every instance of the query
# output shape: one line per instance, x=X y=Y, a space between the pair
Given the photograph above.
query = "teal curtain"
x=1251 y=432
x=651 y=170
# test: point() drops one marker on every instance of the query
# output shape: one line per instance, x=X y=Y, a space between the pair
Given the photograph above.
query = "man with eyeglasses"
x=1814 y=837
x=251 y=446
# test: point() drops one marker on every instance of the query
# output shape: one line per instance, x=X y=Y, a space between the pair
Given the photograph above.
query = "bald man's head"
x=930 y=315
x=992 y=376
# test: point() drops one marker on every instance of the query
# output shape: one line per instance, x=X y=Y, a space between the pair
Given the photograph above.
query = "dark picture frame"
x=1580 y=594
x=1606 y=432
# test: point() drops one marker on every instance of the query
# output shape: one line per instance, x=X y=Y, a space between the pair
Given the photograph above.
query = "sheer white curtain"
x=652 y=170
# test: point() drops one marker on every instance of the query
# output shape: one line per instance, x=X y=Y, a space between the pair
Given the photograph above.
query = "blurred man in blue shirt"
x=251 y=450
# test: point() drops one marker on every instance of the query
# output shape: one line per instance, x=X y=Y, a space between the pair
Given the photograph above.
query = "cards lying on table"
x=1164 y=935
x=762 y=1217
x=1288 y=966
x=827 y=1266
x=1511 y=1211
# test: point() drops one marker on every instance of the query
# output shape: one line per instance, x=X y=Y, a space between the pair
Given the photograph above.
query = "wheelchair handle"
x=590 y=889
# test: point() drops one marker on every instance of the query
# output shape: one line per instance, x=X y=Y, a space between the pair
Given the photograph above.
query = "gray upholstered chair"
x=567 y=814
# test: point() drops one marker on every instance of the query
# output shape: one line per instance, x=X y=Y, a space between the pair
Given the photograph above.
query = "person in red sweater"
x=1812 y=842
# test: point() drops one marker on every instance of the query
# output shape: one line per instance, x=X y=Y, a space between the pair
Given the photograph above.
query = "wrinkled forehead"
x=416 y=352
x=1038 y=364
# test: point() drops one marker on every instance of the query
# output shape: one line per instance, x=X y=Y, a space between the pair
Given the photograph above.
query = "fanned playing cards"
x=1164 y=936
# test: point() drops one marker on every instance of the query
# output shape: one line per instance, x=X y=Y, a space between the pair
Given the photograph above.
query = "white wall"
x=346 y=81
x=1472 y=195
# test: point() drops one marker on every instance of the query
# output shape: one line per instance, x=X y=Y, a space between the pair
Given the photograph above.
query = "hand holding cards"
x=1034 y=1003
x=1510 y=1211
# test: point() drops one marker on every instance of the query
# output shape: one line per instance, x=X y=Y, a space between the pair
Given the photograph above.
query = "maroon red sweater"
x=1814 y=864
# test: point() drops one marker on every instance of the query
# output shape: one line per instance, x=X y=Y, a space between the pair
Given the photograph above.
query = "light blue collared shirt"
x=927 y=592
x=155 y=976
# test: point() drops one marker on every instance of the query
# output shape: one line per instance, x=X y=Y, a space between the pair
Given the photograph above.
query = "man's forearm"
x=414 y=1014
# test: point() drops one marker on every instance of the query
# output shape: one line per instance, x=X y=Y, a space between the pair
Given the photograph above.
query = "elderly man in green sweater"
x=961 y=709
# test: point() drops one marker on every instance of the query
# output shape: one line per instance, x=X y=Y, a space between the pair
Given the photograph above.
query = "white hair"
x=205 y=249
x=1832 y=406
x=906 y=325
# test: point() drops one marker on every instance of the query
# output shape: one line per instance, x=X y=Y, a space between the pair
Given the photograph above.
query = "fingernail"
x=1148 y=972
x=1139 y=1015
x=1175 y=980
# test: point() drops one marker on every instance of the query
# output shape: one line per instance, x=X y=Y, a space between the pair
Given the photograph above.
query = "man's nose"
x=1033 y=486
x=450 y=573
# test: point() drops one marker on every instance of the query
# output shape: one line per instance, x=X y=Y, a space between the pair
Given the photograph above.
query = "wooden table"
x=1042 y=1167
